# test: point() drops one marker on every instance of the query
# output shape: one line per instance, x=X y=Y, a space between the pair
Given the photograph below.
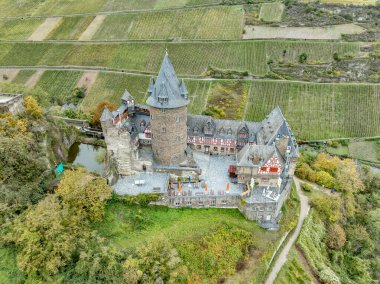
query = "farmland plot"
x=59 y=85
x=70 y=28
x=319 y=111
x=271 y=12
x=18 y=29
x=23 y=76
x=205 y=23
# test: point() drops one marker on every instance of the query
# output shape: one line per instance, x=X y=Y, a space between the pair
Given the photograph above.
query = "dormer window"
x=229 y=131
x=162 y=100
x=222 y=131
x=196 y=130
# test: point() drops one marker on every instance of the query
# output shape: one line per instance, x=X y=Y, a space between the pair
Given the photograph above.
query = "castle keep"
x=195 y=160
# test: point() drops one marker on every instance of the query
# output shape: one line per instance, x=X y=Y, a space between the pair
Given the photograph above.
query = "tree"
x=359 y=241
x=327 y=163
x=99 y=110
x=336 y=237
x=325 y=179
x=155 y=262
x=32 y=108
x=84 y=193
x=47 y=236
x=348 y=179
x=304 y=171
x=328 y=206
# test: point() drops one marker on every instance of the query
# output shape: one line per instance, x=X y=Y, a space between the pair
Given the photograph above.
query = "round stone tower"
x=168 y=109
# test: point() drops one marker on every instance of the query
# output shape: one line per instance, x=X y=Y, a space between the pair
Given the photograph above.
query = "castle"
x=195 y=160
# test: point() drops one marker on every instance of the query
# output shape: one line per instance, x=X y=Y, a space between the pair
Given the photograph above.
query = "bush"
x=306 y=187
x=302 y=58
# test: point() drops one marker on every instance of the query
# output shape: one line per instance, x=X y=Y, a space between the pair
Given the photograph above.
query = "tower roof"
x=106 y=115
x=166 y=92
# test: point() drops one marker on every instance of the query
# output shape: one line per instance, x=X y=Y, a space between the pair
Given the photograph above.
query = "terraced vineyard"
x=206 y=23
x=70 y=28
x=319 y=111
x=18 y=29
x=191 y=58
x=12 y=8
x=23 y=76
x=59 y=84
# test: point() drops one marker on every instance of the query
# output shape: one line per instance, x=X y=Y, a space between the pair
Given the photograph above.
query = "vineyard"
x=59 y=85
x=18 y=29
x=207 y=23
x=23 y=76
x=12 y=8
x=319 y=111
x=192 y=58
x=70 y=28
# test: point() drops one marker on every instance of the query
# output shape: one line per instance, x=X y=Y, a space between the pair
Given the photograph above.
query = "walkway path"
x=305 y=207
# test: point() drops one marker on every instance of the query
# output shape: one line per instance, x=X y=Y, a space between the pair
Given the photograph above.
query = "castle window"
x=163 y=130
x=178 y=139
x=215 y=148
x=222 y=149
x=229 y=131
x=199 y=147
x=163 y=110
x=196 y=130
x=177 y=119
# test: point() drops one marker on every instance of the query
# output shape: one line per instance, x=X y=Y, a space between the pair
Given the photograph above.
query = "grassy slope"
x=207 y=23
x=187 y=58
x=271 y=12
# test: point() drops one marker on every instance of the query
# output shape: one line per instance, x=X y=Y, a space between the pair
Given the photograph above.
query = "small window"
x=232 y=150
x=178 y=139
x=189 y=203
x=199 y=147
x=163 y=110
x=222 y=149
x=163 y=130
x=229 y=131
x=215 y=148
x=177 y=119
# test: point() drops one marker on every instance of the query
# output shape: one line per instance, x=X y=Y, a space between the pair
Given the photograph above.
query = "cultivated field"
x=59 y=85
x=70 y=28
x=205 y=23
x=12 y=8
x=188 y=58
x=271 y=12
x=23 y=76
x=18 y=29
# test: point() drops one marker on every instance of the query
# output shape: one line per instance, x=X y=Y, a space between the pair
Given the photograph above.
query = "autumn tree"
x=99 y=110
x=336 y=237
x=329 y=207
x=327 y=163
x=348 y=178
x=47 y=236
x=84 y=193
x=155 y=262
x=32 y=108
x=325 y=179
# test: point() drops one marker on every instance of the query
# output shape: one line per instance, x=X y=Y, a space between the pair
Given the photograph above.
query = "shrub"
x=328 y=276
x=302 y=58
x=306 y=187
x=336 y=237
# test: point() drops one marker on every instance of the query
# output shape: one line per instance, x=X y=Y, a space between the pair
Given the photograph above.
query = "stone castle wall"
x=13 y=104
x=169 y=141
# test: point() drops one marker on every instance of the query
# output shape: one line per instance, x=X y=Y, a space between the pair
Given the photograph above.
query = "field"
x=59 y=85
x=319 y=111
x=70 y=28
x=271 y=12
x=18 y=29
x=205 y=23
x=12 y=8
x=23 y=76
x=191 y=58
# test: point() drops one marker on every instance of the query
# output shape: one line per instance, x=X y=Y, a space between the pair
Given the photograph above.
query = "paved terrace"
x=214 y=180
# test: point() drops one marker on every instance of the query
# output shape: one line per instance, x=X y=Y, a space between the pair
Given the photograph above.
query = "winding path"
x=305 y=207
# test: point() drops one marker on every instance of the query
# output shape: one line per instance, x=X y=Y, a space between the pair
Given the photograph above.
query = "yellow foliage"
x=348 y=177
x=325 y=162
x=32 y=107
x=10 y=125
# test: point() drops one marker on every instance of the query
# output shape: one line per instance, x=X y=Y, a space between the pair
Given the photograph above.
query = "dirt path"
x=7 y=75
x=92 y=28
x=87 y=80
x=305 y=207
x=44 y=29
x=33 y=80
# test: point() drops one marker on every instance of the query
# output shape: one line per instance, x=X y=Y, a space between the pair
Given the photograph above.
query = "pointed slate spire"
x=166 y=92
x=151 y=86
x=106 y=115
x=183 y=89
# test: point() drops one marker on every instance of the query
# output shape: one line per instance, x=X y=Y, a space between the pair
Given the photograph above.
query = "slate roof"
x=166 y=92
x=227 y=129
x=106 y=115
x=126 y=96
x=255 y=155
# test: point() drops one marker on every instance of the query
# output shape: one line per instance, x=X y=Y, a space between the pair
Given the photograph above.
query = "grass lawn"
x=184 y=227
x=365 y=150
x=203 y=23
x=271 y=12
